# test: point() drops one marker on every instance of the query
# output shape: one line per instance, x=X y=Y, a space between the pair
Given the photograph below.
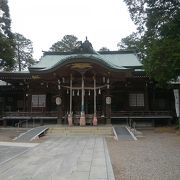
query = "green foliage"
x=67 y=44
x=131 y=42
x=6 y=53
x=163 y=60
x=24 y=51
x=158 y=24
x=5 y=21
x=6 y=38
x=15 y=49
x=104 y=49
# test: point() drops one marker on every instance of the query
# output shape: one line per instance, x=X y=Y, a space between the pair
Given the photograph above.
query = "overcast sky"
x=45 y=22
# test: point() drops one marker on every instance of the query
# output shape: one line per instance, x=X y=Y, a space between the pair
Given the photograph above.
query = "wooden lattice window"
x=39 y=100
x=136 y=99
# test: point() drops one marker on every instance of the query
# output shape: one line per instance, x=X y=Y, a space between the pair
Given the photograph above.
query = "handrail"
x=20 y=123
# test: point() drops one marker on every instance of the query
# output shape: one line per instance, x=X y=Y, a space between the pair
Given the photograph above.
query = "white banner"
x=176 y=95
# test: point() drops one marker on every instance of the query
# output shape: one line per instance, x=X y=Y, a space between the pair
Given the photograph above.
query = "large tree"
x=24 y=51
x=131 y=42
x=158 y=23
x=66 y=44
x=104 y=49
x=6 y=37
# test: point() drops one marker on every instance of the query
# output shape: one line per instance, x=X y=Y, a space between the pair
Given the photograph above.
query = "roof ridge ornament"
x=85 y=47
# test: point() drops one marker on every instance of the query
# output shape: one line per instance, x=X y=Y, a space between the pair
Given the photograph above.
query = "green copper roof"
x=124 y=60
x=111 y=59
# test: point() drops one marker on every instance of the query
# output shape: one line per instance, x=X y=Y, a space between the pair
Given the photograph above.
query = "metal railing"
x=19 y=124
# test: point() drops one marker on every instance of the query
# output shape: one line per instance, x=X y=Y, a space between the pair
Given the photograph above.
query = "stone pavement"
x=65 y=158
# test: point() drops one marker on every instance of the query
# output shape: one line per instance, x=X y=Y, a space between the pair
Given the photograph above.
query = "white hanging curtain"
x=176 y=95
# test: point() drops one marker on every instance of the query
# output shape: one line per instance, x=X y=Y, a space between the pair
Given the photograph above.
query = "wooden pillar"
x=146 y=98
x=153 y=98
x=94 y=95
x=41 y=122
x=108 y=109
x=29 y=102
x=4 y=122
x=70 y=103
x=82 y=117
x=59 y=119
x=108 y=104
x=95 y=115
x=24 y=101
x=82 y=94
x=59 y=109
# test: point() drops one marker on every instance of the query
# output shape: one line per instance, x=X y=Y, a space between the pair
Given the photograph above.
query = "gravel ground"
x=154 y=157
x=8 y=134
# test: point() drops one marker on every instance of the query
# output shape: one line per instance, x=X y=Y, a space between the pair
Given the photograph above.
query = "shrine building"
x=84 y=87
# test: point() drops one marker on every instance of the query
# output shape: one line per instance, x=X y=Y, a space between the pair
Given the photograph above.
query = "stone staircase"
x=105 y=130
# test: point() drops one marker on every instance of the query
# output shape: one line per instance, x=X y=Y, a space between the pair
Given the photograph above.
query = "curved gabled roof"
x=114 y=61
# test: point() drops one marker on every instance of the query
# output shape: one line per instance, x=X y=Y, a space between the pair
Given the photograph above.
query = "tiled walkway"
x=68 y=158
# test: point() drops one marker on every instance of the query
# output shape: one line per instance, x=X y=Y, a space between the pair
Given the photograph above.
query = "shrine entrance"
x=85 y=96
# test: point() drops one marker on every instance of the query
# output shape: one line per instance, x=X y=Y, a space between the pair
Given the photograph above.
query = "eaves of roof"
x=15 y=75
x=46 y=64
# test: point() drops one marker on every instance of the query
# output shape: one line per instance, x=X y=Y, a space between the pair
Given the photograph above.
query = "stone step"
x=76 y=131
